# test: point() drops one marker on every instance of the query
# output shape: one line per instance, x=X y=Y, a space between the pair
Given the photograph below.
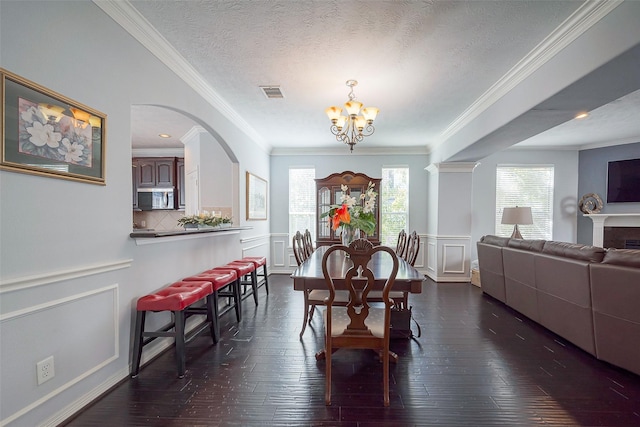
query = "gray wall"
x=593 y=179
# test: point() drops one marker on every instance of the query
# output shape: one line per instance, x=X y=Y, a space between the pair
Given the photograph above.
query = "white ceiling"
x=423 y=63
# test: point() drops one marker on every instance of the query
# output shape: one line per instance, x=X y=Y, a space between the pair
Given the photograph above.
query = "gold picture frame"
x=257 y=197
x=45 y=133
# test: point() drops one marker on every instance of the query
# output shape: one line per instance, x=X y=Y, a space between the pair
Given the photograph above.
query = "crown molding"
x=343 y=151
x=128 y=17
x=452 y=167
x=573 y=27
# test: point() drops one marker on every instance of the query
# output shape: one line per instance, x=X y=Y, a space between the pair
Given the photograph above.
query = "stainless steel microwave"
x=156 y=198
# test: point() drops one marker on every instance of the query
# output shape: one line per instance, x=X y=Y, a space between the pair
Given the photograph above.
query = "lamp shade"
x=370 y=113
x=333 y=112
x=517 y=215
x=353 y=107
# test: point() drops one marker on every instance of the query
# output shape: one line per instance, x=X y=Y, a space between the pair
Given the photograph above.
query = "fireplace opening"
x=622 y=237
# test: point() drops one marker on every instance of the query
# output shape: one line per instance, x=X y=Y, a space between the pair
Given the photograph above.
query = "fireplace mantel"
x=611 y=220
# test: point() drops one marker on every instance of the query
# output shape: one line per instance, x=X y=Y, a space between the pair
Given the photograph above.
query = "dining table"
x=308 y=275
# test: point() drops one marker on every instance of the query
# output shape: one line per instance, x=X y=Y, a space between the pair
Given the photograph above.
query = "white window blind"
x=526 y=185
x=302 y=200
x=394 y=203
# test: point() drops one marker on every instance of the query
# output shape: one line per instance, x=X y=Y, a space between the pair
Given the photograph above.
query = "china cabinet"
x=328 y=192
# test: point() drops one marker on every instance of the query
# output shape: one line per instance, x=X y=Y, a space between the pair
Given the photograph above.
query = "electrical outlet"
x=45 y=370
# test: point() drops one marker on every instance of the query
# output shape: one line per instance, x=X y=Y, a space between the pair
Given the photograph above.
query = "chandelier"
x=352 y=128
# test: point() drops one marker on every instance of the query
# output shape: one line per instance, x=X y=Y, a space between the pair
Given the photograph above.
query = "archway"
x=210 y=170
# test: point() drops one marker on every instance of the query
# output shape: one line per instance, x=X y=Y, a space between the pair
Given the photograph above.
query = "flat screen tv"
x=623 y=181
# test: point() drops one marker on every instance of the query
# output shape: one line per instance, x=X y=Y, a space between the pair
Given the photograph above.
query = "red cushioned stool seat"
x=178 y=298
x=260 y=261
x=225 y=284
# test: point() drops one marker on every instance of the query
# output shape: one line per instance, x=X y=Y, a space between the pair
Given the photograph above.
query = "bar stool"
x=260 y=261
x=246 y=270
x=176 y=298
x=220 y=280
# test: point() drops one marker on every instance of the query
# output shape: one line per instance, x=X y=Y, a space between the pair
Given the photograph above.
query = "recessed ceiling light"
x=581 y=115
x=164 y=135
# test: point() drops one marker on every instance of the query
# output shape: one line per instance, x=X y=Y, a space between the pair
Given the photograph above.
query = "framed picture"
x=45 y=133
x=256 y=197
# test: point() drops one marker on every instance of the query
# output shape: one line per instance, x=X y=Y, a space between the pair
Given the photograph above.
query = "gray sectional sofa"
x=586 y=294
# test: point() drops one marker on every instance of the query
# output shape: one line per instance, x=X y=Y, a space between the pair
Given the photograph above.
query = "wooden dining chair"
x=405 y=243
x=413 y=247
x=308 y=242
x=299 y=250
x=312 y=297
x=401 y=246
x=410 y=255
x=358 y=325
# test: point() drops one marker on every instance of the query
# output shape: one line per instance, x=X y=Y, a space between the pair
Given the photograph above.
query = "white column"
x=448 y=248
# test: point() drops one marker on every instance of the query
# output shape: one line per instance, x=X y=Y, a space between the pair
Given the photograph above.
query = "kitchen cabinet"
x=329 y=191
x=158 y=172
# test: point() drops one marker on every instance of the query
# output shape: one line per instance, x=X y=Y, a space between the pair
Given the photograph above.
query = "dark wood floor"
x=478 y=363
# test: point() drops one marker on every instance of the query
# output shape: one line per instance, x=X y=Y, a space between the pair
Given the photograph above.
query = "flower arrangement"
x=354 y=213
x=203 y=218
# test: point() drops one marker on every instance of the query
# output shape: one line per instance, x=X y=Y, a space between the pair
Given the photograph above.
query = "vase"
x=349 y=234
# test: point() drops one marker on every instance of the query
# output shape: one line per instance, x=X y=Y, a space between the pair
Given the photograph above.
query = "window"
x=394 y=204
x=526 y=186
x=302 y=201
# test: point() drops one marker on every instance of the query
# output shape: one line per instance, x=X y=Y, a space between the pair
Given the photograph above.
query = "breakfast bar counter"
x=145 y=237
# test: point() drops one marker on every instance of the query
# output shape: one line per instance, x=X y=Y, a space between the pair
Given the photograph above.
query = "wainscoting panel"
x=448 y=258
x=432 y=259
x=279 y=249
x=81 y=324
x=453 y=257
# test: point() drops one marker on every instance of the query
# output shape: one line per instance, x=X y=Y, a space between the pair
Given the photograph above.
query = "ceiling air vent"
x=272 y=92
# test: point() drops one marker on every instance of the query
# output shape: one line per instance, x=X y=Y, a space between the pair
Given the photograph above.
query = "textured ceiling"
x=423 y=63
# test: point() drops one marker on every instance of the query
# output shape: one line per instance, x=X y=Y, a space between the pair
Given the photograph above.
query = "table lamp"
x=517 y=216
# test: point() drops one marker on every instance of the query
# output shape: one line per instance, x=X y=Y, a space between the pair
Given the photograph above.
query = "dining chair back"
x=308 y=242
x=357 y=325
x=299 y=250
x=413 y=247
x=401 y=246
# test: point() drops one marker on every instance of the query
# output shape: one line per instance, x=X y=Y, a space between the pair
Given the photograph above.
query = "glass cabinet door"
x=324 y=203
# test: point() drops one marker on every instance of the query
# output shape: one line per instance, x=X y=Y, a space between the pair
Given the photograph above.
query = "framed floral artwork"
x=45 y=133
x=256 y=197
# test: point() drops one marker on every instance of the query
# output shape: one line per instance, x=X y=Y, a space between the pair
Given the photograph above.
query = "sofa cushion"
x=574 y=250
x=495 y=240
x=526 y=245
x=626 y=257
